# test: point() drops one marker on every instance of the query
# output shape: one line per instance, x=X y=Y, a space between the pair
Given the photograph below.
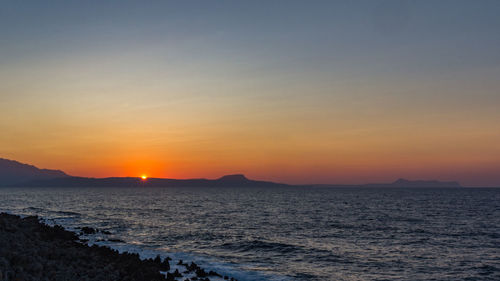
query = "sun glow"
x=144 y=177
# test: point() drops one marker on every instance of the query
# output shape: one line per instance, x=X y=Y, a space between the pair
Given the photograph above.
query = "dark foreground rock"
x=30 y=250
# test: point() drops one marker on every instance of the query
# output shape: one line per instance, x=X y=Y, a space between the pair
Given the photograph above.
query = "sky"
x=292 y=91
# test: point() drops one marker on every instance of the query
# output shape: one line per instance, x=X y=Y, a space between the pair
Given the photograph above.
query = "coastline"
x=32 y=250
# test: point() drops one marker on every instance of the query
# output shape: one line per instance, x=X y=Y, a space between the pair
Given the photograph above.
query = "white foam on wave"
x=207 y=263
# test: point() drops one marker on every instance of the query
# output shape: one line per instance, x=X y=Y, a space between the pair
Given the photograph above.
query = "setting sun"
x=144 y=177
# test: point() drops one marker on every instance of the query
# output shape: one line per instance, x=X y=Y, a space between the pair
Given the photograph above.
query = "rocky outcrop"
x=32 y=251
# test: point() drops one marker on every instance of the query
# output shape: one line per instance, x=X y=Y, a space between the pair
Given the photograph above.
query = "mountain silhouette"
x=225 y=181
x=424 y=183
x=239 y=178
x=13 y=172
x=400 y=183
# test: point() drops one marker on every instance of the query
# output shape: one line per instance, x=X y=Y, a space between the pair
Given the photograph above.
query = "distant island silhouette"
x=16 y=174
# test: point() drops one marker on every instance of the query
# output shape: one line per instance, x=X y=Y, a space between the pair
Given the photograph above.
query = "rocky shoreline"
x=31 y=250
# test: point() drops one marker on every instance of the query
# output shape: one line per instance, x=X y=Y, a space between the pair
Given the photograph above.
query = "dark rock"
x=192 y=267
x=88 y=230
x=201 y=273
x=165 y=265
x=213 y=273
x=170 y=277
x=177 y=273
x=42 y=252
x=32 y=251
x=157 y=259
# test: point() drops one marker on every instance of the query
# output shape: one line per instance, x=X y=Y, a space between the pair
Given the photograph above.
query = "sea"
x=288 y=233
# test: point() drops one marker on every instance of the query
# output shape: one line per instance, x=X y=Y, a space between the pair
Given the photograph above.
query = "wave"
x=237 y=271
x=35 y=209
x=258 y=245
x=66 y=213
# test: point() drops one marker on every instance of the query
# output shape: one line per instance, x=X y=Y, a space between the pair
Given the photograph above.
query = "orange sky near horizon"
x=352 y=137
x=302 y=153
x=322 y=93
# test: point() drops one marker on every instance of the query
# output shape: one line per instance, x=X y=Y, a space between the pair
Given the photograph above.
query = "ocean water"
x=289 y=233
